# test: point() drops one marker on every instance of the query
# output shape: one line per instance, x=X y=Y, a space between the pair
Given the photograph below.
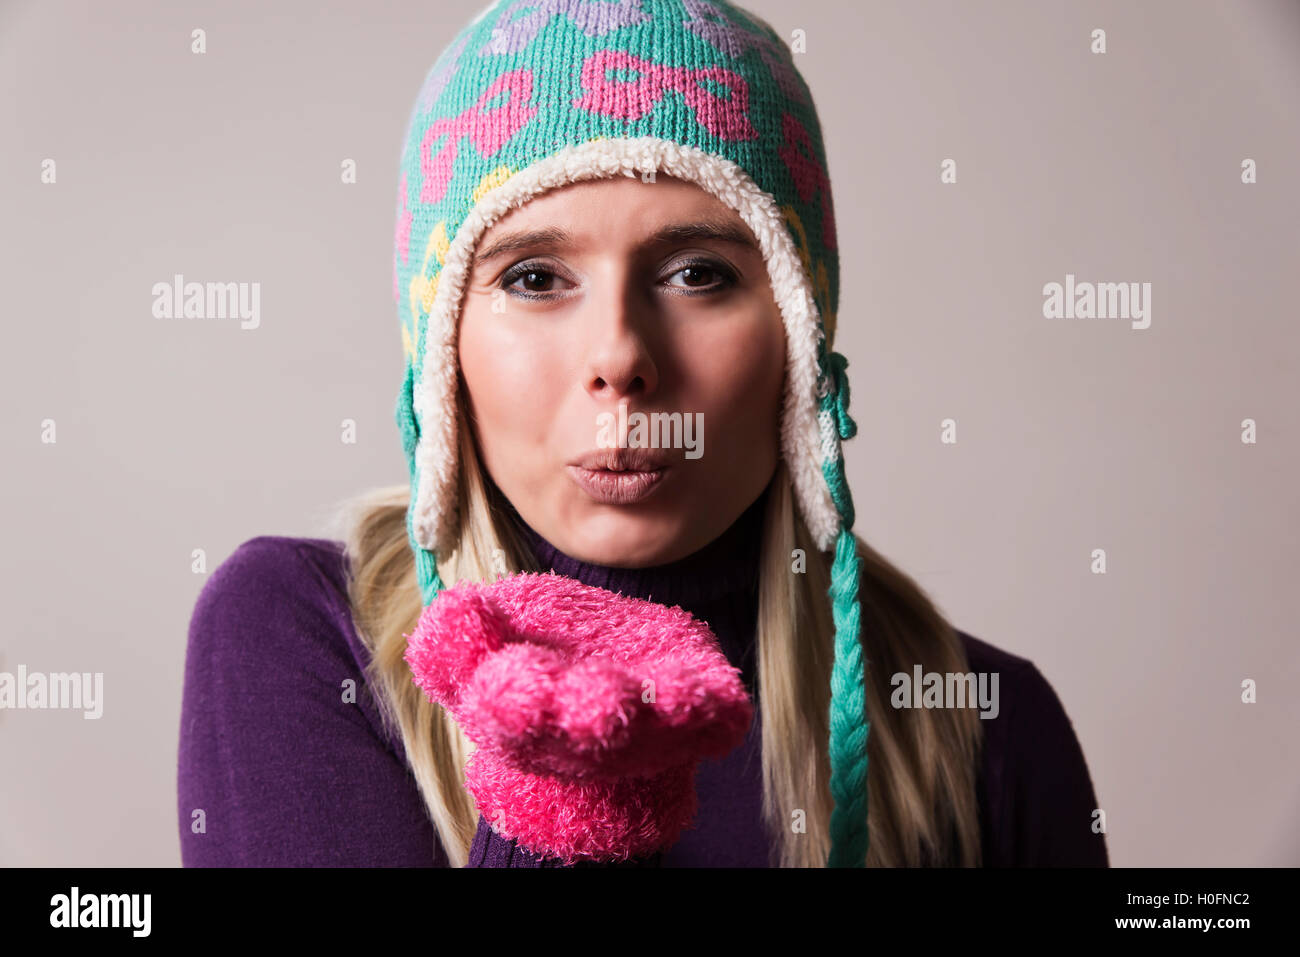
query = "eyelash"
x=520 y=270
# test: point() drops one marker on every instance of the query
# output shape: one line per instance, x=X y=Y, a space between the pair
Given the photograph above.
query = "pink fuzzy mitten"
x=589 y=710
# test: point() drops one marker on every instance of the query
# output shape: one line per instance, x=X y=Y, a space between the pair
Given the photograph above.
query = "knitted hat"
x=537 y=94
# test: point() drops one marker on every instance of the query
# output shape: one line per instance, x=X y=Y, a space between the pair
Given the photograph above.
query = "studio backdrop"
x=1068 y=234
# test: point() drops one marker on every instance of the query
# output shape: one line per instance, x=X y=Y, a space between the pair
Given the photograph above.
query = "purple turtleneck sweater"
x=284 y=760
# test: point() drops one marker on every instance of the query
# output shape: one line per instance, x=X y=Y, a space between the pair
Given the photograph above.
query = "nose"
x=619 y=363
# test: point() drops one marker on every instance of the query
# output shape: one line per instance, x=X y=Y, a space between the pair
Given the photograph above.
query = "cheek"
x=737 y=377
x=508 y=374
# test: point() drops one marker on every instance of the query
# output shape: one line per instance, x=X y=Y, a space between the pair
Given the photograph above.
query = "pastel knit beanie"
x=537 y=94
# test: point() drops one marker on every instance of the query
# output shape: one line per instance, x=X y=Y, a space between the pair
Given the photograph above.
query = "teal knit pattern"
x=529 y=79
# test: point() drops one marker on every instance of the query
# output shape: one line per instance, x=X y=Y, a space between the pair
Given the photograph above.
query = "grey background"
x=1072 y=434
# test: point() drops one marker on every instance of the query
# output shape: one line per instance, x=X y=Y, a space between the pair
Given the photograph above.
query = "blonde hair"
x=922 y=762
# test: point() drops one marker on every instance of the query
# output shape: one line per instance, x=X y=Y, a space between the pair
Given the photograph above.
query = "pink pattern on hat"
x=633 y=99
x=809 y=177
x=488 y=130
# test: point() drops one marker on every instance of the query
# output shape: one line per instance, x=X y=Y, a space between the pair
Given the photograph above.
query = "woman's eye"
x=530 y=279
x=701 y=276
x=536 y=282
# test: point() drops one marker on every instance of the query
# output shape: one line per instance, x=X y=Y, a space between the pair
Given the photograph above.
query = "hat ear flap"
x=407 y=424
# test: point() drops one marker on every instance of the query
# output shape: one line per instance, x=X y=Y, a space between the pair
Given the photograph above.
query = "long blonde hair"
x=922 y=778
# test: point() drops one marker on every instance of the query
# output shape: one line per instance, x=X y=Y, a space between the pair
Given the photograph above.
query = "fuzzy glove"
x=590 y=711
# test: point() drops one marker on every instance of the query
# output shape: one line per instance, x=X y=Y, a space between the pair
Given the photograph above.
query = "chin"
x=626 y=540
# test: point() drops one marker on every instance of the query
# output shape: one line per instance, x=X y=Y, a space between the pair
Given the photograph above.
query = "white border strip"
x=802 y=440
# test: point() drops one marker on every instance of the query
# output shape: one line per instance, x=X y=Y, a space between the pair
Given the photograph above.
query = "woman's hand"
x=590 y=710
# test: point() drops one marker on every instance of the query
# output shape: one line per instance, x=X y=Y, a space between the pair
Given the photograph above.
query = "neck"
x=718 y=584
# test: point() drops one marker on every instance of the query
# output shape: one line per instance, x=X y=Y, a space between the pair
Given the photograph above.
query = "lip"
x=617 y=488
x=619 y=476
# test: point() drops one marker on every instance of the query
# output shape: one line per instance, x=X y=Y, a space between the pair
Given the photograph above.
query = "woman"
x=608 y=209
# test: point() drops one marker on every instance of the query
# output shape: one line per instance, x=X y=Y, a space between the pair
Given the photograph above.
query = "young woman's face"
x=612 y=292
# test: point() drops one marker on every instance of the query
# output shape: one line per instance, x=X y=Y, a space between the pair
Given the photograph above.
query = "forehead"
x=617 y=216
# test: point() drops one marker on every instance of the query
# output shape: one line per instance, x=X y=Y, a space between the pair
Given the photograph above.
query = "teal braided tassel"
x=426 y=572
x=838 y=363
x=848 y=718
x=835 y=404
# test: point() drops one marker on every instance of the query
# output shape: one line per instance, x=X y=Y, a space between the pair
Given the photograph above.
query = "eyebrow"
x=672 y=233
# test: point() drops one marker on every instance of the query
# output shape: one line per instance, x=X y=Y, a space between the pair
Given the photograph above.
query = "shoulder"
x=282 y=747
x=279 y=566
x=1024 y=693
x=1036 y=795
x=987 y=657
x=276 y=610
x=297 y=582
